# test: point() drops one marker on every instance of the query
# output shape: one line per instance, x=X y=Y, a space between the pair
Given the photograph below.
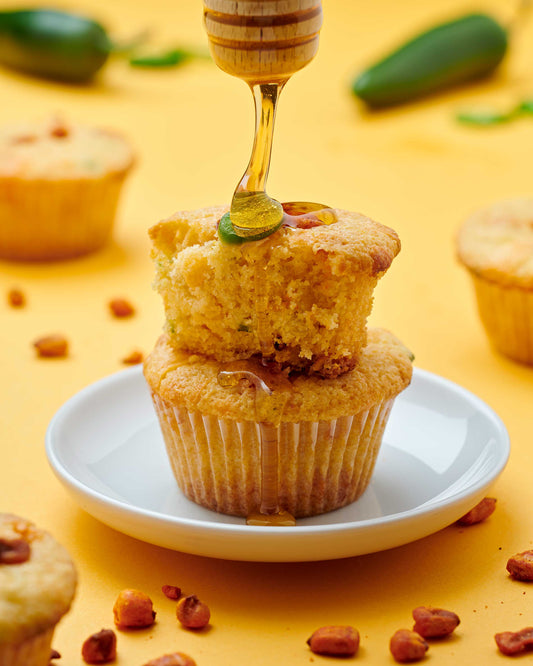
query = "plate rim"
x=265 y=532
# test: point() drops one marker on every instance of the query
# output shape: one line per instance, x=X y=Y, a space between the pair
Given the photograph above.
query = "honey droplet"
x=280 y=519
x=254 y=213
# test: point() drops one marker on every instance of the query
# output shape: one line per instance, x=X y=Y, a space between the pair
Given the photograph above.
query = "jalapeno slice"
x=227 y=233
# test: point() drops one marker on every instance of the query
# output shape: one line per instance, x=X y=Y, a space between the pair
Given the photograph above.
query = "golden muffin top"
x=191 y=381
x=37 y=580
x=356 y=242
x=496 y=243
x=56 y=150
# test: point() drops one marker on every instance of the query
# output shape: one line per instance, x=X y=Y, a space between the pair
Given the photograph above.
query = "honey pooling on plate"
x=262 y=43
x=268 y=409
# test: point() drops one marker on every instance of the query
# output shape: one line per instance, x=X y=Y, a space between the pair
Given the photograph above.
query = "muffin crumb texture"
x=299 y=298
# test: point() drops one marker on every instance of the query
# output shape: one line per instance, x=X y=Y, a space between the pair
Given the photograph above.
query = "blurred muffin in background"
x=37 y=585
x=60 y=185
x=495 y=244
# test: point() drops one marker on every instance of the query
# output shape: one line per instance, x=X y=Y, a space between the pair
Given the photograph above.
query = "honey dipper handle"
x=262 y=41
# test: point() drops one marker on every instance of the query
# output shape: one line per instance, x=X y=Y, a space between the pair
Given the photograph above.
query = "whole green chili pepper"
x=53 y=44
x=461 y=50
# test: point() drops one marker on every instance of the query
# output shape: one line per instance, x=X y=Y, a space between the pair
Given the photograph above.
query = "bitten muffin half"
x=299 y=298
x=59 y=189
x=37 y=585
x=495 y=244
x=328 y=431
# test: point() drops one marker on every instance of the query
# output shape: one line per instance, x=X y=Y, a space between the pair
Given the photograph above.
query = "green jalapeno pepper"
x=53 y=44
x=461 y=50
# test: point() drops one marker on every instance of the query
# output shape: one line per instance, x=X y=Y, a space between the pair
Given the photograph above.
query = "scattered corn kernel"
x=133 y=608
x=51 y=346
x=192 y=613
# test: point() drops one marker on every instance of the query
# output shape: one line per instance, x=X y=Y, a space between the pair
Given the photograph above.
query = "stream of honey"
x=252 y=210
x=264 y=48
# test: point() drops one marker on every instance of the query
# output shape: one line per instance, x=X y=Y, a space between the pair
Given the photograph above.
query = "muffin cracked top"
x=369 y=246
x=56 y=149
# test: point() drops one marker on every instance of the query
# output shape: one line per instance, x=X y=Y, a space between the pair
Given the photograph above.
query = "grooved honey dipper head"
x=263 y=40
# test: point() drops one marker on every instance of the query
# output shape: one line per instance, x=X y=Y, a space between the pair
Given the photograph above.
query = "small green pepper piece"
x=166 y=59
x=484 y=118
x=487 y=118
x=53 y=44
x=227 y=233
x=461 y=50
x=170 y=58
x=526 y=106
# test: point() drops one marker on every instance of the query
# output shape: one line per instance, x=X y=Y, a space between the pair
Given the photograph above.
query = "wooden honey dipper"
x=262 y=42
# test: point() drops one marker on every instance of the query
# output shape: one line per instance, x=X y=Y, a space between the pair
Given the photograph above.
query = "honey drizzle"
x=268 y=410
x=258 y=45
x=305 y=214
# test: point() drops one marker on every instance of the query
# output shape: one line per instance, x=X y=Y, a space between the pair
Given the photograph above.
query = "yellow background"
x=414 y=169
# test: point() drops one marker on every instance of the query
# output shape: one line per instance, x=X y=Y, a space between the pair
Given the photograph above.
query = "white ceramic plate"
x=442 y=448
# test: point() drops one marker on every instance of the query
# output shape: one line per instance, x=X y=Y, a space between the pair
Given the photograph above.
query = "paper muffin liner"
x=507 y=315
x=44 y=220
x=322 y=465
x=34 y=651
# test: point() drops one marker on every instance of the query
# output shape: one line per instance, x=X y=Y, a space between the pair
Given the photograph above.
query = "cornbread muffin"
x=59 y=189
x=300 y=298
x=328 y=431
x=37 y=585
x=496 y=246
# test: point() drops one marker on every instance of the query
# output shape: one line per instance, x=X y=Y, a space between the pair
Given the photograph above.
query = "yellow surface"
x=414 y=169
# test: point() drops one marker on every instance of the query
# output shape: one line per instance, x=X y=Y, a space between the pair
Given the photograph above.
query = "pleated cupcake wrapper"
x=33 y=651
x=507 y=315
x=56 y=219
x=323 y=465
